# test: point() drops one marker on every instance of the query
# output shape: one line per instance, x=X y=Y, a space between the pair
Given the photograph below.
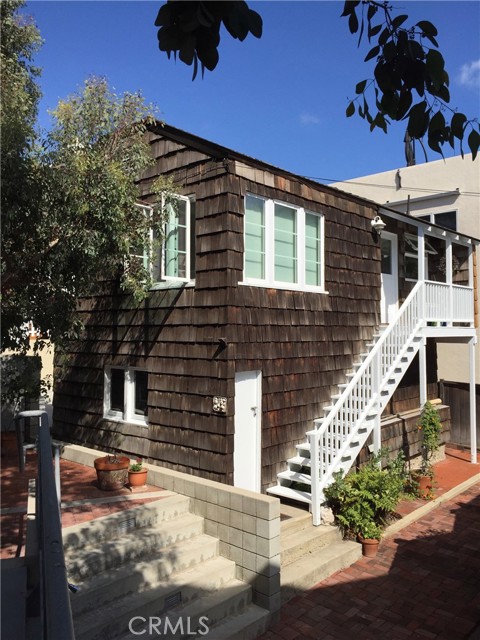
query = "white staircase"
x=151 y=571
x=354 y=413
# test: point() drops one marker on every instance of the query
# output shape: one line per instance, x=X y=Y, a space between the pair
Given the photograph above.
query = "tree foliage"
x=192 y=29
x=68 y=197
x=410 y=82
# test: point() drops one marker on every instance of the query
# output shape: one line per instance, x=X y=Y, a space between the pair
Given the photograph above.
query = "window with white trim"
x=283 y=245
x=447 y=219
x=174 y=258
x=411 y=256
x=125 y=394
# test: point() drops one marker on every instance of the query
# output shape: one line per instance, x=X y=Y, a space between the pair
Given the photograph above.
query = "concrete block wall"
x=247 y=524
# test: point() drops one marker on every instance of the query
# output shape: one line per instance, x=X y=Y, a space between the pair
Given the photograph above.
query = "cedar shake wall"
x=303 y=343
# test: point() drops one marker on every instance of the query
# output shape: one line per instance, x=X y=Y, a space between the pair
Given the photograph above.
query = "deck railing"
x=371 y=386
x=54 y=600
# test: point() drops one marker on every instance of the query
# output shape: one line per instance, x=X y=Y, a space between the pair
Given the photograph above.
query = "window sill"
x=172 y=284
x=116 y=418
x=284 y=286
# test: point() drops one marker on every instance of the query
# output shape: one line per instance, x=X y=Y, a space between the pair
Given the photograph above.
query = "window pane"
x=141 y=393
x=254 y=238
x=411 y=267
x=176 y=240
x=313 y=248
x=386 y=248
x=285 y=244
x=117 y=390
x=447 y=219
x=192 y=239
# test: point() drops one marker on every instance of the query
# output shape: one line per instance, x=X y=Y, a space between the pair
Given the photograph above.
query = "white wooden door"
x=247 y=439
x=389 y=296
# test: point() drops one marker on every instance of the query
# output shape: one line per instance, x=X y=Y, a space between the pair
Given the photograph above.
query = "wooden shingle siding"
x=303 y=342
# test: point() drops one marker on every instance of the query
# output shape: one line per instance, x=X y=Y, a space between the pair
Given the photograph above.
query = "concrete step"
x=187 y=605
x=249 y=625
x=297 y=543
x=316 y=566
x=146 y=543
x=136 y=577
x=118 y=524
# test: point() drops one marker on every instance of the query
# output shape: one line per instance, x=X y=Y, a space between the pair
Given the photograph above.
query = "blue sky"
x=280 y=99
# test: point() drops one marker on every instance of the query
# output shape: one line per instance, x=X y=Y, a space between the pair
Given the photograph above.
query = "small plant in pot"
x=364 y=501
x=137 y=474
x=430 y=427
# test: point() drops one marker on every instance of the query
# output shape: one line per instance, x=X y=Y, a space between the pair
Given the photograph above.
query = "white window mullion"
x=269 y=240
x=301 y=247
x=127 y=395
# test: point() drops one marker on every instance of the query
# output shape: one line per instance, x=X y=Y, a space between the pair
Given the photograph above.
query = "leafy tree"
x=410 y=82
x=68 y=198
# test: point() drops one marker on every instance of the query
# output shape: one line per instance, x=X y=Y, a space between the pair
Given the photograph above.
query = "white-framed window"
x=174 y=258
x=411 y=256
x=284 y=245
x=125 y=394
x=447 y=219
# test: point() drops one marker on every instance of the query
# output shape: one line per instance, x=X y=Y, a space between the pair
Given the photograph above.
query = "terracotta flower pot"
x=425 y=486
x=111 y=472
x=137 y=478
x=369 y=546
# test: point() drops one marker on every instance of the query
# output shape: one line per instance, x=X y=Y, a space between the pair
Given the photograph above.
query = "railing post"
x=449 y=278
x=376 y=380
x=473 y=412
x=422 y=364
x=315 y=479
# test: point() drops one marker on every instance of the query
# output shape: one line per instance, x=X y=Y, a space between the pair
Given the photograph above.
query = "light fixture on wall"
x=378 y=225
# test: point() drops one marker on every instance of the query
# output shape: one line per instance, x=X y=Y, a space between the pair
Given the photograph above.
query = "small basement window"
x=126 y=395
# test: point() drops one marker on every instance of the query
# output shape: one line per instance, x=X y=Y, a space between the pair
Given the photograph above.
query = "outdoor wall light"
x=378 y=225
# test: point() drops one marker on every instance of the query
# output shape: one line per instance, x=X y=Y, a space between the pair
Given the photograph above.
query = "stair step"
x=194 y=588
x=111 y=555
x=115 y=525
x=296 y=544
x=249 y=625
x=291 y=494
x=299 y=461
x=316 y=566
x=294 y=476
x=147 y=573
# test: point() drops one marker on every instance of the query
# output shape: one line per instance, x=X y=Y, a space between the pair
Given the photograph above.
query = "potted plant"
x=111 y=471
x=364 y=500
x=430 y=427
x=137 y=475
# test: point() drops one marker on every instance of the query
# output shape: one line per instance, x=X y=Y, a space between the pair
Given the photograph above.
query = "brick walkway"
x=424 y=583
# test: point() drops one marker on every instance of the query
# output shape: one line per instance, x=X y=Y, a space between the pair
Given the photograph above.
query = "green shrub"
x=363 y=500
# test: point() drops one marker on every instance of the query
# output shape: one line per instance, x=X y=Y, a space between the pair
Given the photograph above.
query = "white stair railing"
x=350 y=421
x=361 y=399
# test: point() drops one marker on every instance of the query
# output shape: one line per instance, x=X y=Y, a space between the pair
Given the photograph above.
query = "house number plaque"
x=219 y=404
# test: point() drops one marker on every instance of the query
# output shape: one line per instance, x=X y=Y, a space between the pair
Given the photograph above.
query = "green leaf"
x=350 y=109
x=404 y=104
x=349 y=7
x=435 y=65
x=360 y=88
x=372 y=31
x=418 y=120
x=427 y=28
x=373 y=53
x=457 y=125
x=474 y=142
x=353 y=23
x=396 y=22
